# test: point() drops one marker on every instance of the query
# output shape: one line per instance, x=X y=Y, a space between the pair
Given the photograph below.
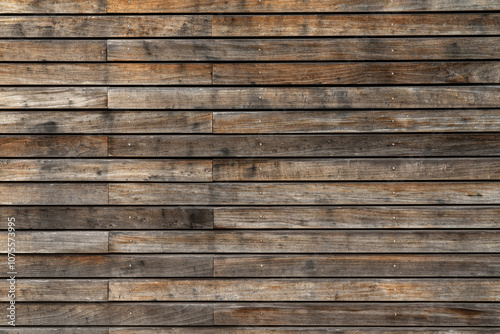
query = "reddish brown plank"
x=52 y=6
x=53 y=97
x=53 y=146
x=52 y=50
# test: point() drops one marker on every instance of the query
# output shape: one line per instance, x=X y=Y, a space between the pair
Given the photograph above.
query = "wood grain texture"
x=342 y=193
x=52 y=50
x=67 y=121
x=354 y=121
x=347 y=145
x=59 y=242
x=356 y=314
x=412 y=241
x=53 y=97
x=119 y=26
x=368 y=217
x=91 y=170
x=53 y=194
x=295 y=49
x=413 y=169
x=54 y=330
x=58 y=290
x=304 y=97
x=109 y=218
x=53 y=146
x=401 y=265
x=354 y=25
x=52 y=6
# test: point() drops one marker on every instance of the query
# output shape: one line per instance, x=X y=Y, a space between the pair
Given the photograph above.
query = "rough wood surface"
x=53 y=146
x=54 y=330
x=53 y=97
x=52 y=50
x=52 y=6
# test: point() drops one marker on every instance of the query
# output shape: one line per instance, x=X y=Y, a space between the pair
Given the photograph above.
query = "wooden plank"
x=304 y=97
x=53 y=194
x=368 y=217
x=52 y=50
x=354 y=73
x=92 y=170
x=413 y=169
x=58 y=290
x=123 y=26
x=53 y=146
x=294 y=49
x=109 y=218
x=241 y=6
x=113 y=314
x=138 y=266
x=357 y=314
x=59 y=242
x=53 y=97
x=365 y=290
x=355 y=121
x=54 y=330
x=348 y=145
x=355 y=25
x=105 y=74
x=441 y=265
x=52 y=6
x=53 y=122
x=342 y=193
x=324 y=241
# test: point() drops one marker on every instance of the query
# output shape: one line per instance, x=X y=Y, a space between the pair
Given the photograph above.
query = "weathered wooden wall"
x=251 y=166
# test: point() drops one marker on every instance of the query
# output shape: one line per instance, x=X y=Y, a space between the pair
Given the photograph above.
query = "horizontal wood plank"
x=53 y=146
x=52 y=6
x=414 y=241
x=54 y=330
x=52 y=50
x=354 y=121
x=53 y=97
x=324 y=49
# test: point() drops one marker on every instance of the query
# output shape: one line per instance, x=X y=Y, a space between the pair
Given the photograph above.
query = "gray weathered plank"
x=53 y=146
x=53 y=194
x=53 y=97
x=54 y=330
x=52 y=50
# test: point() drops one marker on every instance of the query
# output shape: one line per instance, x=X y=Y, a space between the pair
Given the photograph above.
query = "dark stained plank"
x=92 y=170
x=303 y=98
x=355 y=25
x=52 y=122
x=353 y=73
x=354 y=121
x=53 y=146
x=113 y=265
x=368 y=217
x=385 y=169
x=113 y=314
x=52 y=50
x=241 y=6
x=413 y=241
x=357 y=314
x=58 y=290
x=52 y=6
x=342 y=193
x=325 y=49
x=402 y=265
x=106 y=74
x=393 y=290
x=54 y=330
x=108 y=218
x=59 y=242
x=53 y=194
x=53 y=97
x=122 y=26
x=354 y=145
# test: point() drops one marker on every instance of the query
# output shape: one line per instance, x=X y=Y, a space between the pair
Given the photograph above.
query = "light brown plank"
x=369 y=217
x=106 y=74
x=327 y=49
x=92 y=170
x=342 y=193
x=355 y=73
x=414 y=241
x=57 y=290
x=53 y=97
x=108 y=218
x=357 y=314
x=355 y=25
x=353 y=121
x=304 y=97
x=52 y=50
x=118 y=26
x=54 y=330
x=438 y=265
x=52 y=122
x=52 y=6
x=53 y=194
x=53 y=146
x=58 y=242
